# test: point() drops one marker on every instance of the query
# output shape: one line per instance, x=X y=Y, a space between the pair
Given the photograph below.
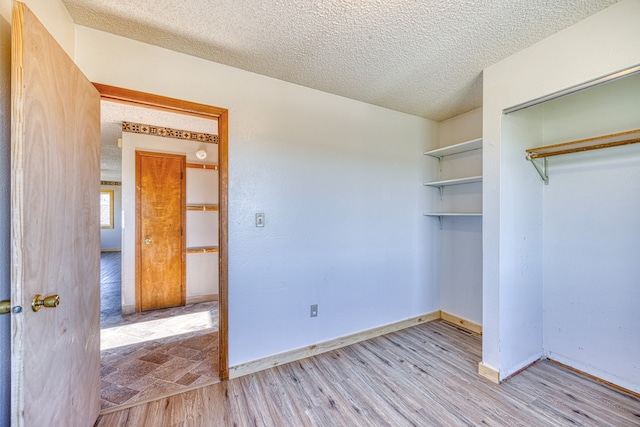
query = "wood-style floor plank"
x=421 y=376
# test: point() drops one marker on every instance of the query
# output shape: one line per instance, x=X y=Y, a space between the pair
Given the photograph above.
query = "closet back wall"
x=591 y=245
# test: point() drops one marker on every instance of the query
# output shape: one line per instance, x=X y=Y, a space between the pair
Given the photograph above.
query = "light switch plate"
x=260 y=220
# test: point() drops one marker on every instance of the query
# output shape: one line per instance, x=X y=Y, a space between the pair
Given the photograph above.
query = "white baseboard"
x=313 y=350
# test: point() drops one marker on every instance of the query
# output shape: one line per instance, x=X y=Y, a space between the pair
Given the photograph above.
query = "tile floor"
x=151 y=354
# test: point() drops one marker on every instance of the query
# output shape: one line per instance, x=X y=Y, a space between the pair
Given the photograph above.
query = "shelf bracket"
x=542 y=170
x=440 y=220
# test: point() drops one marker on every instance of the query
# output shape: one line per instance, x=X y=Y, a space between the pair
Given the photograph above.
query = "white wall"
x=591 y=251
x=338 y=180
x=111 y=238
x=460 y=273
x=512 y=221
x=53 y=15
x=130 y=143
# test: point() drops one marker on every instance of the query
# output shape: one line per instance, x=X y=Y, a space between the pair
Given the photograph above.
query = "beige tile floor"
x=156 y=353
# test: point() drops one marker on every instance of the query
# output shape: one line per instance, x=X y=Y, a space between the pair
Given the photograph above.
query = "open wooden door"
x=55 y=240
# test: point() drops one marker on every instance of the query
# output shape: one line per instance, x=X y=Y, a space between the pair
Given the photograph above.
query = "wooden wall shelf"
x=595 y=143
x=202 y=250
x=209 y=166
x=202 y=207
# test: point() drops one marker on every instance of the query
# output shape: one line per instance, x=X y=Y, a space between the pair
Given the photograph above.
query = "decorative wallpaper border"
x=169 y=132
x=110 y=183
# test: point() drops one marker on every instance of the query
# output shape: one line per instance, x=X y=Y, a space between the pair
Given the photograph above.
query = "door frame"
x=158 y=102
x=183 y=216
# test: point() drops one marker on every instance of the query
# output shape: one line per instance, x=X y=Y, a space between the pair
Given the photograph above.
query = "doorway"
x=209 y=315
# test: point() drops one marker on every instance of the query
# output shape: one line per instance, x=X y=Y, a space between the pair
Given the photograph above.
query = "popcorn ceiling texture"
x=422 y=57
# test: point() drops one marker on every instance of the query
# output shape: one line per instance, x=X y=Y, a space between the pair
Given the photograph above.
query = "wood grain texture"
x=489 y=373
x=463 y=323
x=158 y=102
x=304 y=352
x=55 y=231
x=222 y=116
x=420 y=376
x=208 y=166
x=160 y=217
x=203 y=207
x=223 y=241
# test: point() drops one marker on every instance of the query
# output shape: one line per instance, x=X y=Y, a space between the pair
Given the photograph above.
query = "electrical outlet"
x=260 y=220
x=314 y=310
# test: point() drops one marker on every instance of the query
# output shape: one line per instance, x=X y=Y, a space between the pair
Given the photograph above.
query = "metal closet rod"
x=596 y=143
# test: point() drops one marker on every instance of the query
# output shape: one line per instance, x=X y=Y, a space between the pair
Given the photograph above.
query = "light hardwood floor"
x=422 y=376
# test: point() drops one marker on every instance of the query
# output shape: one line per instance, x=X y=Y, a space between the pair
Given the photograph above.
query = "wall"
x=58 y=21
x=130 y=143
x=591 y=209
x=338 y=180
x=460 y=275
x=111 y=238
x=512 y=221
x=53 y=15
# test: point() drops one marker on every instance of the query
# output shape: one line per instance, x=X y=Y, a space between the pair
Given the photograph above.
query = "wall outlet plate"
x=314 y=310
x=260 y=220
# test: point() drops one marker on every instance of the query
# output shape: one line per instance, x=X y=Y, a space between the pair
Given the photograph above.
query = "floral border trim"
x=110 y=183
x=169 y=132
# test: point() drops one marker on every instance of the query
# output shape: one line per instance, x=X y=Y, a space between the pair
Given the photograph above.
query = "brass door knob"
x=147 y=241
x=39 y=301
x=5 y=307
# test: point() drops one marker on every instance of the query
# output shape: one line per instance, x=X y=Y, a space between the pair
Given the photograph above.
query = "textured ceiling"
x=113 y=114
x=422 y=57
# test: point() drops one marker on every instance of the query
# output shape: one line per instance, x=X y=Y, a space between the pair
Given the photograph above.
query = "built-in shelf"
x=441 y=215
x=210 y=166
x=455 y=181
x=439 y=153
x=202 y=249
x=194 y=207
x=595 y=143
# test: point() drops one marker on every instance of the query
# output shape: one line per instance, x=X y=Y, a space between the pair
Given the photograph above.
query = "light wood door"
x=55 y=232
x=160 y=243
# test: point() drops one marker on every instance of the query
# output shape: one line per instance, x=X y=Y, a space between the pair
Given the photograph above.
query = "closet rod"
x=596 y=143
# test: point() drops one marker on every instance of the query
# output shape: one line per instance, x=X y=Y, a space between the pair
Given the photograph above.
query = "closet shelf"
x=596 y=143
x=441 y=215
x=202 y=249
x=194 y=207
x=456 y=181
x=452 y=214
x=209 y=166
x=439 y=153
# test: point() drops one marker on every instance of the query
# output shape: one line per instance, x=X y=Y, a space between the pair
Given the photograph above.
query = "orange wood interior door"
x=160 y=218
x=55 y=232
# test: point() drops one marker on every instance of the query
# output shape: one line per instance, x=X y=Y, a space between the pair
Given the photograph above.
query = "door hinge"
x=181 y=173
x=181 y=231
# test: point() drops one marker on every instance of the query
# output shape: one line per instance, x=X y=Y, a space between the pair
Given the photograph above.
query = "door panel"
x=160 y=206
x=55 y=231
